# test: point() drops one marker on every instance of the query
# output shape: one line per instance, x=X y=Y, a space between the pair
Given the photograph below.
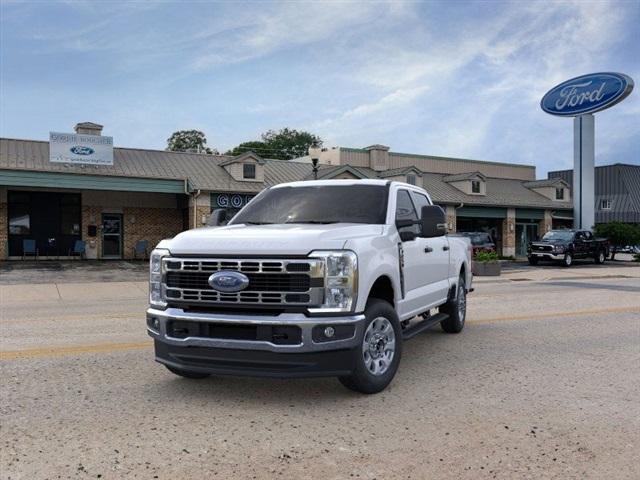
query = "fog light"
x=329 y=332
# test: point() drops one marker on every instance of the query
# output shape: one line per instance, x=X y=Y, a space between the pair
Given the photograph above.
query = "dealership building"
x=112 y=199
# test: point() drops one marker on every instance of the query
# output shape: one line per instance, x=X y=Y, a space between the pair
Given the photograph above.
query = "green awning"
x=482 y=212
x=28 y=178
x=530 y=213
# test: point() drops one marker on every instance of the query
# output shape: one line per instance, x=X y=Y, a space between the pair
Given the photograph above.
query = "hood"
x=292 y=239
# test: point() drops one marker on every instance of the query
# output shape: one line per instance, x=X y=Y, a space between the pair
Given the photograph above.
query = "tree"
x=284 y=144
x=188 y=141
x=619 y=234
x=257 y=147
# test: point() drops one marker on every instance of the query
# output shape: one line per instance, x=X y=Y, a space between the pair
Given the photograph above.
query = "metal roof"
x=205 y=172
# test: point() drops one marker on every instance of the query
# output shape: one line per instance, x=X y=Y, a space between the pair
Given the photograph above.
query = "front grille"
x=271 y=281
x=543 y=248
x=277 y=334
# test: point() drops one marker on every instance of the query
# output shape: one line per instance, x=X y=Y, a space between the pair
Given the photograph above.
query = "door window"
x=406 y=211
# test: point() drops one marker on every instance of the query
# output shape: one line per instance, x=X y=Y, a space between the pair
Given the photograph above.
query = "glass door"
x=111 y=235
x=525 y=233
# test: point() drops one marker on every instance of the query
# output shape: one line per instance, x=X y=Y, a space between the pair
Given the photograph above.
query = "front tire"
x=533 y=260
x=567 y=261
x=600 y=257
x=456 y=308
x=187 y=373
x=378 y=355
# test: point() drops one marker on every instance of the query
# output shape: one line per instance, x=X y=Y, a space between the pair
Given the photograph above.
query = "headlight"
x=559 y=248
x=156 y=297
x=340 y=281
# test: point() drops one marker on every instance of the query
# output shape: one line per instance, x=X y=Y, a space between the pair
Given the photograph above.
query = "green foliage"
x=188 y=141
x=485 y=257
x=619 y=234
x=284 y=144
x=259 y=148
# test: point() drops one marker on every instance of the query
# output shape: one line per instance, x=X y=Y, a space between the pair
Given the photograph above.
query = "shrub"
x=619 y=234
x=486 y=257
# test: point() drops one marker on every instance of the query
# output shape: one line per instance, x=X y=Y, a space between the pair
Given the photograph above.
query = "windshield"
x=317 y=204
x=558 y=235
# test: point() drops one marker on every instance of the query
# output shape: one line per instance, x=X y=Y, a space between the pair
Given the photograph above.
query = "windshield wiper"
x=258 y=223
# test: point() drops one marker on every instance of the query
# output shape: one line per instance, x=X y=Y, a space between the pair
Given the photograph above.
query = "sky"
x=446 y=78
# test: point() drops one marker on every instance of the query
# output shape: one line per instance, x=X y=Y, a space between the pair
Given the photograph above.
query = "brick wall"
x=152 y=224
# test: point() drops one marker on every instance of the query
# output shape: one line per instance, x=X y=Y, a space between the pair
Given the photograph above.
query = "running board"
x=423 y=325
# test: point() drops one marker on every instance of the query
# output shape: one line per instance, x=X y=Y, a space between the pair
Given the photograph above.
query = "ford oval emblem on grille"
x=228 y=281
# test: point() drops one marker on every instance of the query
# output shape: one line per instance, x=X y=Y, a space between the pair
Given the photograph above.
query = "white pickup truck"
x=314 y=278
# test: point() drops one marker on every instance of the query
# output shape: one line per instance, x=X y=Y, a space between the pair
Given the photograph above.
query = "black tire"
x=187 y=373
x=600 y=257
x=362 y=379
x=456 y=308
x=533 y=260
x=567 y=261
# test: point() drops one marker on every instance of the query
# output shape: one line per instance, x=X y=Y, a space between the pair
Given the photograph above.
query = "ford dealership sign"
x=80 y=149
x=587 y=94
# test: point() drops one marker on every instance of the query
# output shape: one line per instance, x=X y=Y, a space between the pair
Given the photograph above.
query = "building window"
x=559 y=193
x=411 y=179
x=475 y=186
x=249 y=170
x=605 y=204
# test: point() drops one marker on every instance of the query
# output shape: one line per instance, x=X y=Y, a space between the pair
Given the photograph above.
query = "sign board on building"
x=587 y=94
x=230 y=200
x=80 y=149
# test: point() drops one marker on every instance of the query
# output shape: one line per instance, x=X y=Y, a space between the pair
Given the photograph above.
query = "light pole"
x=314 y=153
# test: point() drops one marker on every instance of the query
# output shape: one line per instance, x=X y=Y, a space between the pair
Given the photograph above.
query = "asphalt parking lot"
x=542 y=383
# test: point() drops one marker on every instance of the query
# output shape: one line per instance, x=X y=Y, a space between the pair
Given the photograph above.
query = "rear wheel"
x=378 y=356
x=456 y=308
x=187 y=373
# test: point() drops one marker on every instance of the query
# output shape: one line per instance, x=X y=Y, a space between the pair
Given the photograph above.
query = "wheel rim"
x=462 y=303
x=378 y=346
x=601 y=257
x=567 y=259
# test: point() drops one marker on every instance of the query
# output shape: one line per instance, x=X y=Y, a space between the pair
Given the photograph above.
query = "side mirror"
x=433 y=221
x=407 y=236
x=218 y=217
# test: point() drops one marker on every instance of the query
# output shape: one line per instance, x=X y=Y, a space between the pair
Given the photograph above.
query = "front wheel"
x=456 y=308
x=567 y=261
x=378 y=355
x=600 y=257
x=533 y=260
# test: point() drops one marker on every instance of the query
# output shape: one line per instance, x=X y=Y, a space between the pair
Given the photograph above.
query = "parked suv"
x=318 y=278
x=566 y=245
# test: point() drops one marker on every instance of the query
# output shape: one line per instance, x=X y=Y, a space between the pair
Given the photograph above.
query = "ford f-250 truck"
x=315 y=278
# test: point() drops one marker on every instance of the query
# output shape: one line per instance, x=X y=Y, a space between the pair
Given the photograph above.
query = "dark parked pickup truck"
x=566 y=245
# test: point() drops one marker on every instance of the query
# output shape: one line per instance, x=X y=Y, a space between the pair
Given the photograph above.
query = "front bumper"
x=546 y=255
x=309 y=354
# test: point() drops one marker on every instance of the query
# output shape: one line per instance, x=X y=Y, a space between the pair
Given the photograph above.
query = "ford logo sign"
x=228 y=281
x=587 y=94
x=79 y=150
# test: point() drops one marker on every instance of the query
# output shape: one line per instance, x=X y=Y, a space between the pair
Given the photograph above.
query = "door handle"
x=445 y=248
x=428 y=249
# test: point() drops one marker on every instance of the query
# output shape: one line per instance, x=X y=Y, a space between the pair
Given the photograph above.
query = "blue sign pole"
x=583 y=171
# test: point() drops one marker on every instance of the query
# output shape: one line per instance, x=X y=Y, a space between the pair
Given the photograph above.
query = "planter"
x=486 y=269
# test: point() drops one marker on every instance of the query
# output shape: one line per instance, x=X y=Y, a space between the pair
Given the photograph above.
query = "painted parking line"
x=72 y=350
x=114 y=347
x=575 y=313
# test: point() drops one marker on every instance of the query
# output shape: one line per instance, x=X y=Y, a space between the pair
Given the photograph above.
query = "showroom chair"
x=79 y=248
x=29 y=248
x=141 y=248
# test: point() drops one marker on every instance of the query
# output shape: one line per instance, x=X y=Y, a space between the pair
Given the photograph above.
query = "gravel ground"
x=542 y=383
